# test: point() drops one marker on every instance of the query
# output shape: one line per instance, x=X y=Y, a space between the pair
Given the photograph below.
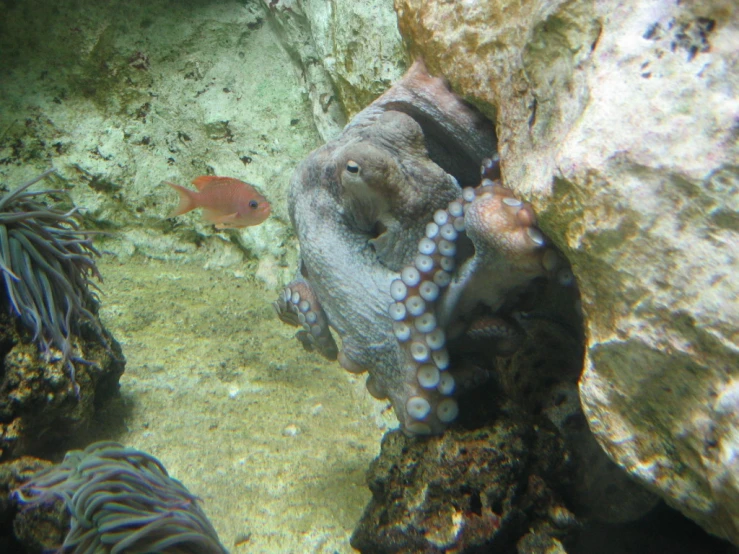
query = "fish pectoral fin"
x=211 y=216
x=225 y=221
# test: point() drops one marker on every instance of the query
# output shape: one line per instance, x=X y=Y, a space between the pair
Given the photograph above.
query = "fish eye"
x=253 y=203
x=352 y=166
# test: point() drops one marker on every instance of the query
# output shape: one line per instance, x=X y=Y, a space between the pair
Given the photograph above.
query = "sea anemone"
x=121 y=500
x=47 y=263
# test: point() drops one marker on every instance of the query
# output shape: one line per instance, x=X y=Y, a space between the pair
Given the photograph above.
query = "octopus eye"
x=253 y=204
x=352 y=166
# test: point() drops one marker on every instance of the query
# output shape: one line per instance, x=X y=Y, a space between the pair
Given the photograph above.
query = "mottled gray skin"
x=337 y=214
x=357 y=230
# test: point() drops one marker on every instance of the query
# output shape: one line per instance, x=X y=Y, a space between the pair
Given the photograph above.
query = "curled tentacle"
x=299 y=307
x=434 y=296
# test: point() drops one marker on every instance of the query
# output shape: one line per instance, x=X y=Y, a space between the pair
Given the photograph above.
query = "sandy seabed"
x=275 y=441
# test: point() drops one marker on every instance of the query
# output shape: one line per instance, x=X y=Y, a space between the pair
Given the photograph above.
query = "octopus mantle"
x=421 y=262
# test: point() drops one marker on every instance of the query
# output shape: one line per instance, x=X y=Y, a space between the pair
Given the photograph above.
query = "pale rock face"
x=349 y=53
x=618 y=121
x=167 y=93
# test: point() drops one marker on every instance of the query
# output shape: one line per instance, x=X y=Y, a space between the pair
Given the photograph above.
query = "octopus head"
x=367 y=178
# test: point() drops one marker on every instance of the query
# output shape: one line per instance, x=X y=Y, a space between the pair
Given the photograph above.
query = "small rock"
x=291 y=430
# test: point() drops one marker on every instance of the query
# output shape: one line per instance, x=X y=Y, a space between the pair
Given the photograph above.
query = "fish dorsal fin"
x=204 y=180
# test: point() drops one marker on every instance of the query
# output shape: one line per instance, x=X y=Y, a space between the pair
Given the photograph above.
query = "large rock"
x=349 y=53
x=618 y=121
x=482 y=490
x=39 y=406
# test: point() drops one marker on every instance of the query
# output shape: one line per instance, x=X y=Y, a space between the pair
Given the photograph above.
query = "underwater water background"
x=120 y=96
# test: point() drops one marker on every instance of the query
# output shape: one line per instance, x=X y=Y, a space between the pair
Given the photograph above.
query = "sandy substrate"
x=274 y=440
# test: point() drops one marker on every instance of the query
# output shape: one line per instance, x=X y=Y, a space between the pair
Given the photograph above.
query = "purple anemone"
x=121 y=500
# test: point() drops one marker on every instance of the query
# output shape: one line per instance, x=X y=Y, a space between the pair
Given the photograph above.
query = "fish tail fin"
x=187 y=200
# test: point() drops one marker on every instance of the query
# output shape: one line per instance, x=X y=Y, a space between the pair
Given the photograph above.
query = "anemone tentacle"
x=121 y=500
x=47 y=262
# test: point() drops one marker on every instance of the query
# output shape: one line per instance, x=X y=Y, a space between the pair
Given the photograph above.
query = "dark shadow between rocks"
x=661 y=530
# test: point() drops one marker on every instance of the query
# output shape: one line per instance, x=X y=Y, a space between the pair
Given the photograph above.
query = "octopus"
x=413 y=253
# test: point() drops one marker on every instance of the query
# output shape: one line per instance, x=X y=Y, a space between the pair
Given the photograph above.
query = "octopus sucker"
x=428 y=376
x=436 y=339
x=495 y=221
x=299 y=307
x=402 y=331
x=447 y=384
x=416 y=428
x=418 y=407
x=429 y=291
x=447 y=410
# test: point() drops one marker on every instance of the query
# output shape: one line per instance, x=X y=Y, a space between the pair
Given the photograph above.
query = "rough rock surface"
x=38 y=404
x=348 y=52
x=43 y=533
x=618 y=121
x=467 y=490
x=541 y=378
x=168 y=92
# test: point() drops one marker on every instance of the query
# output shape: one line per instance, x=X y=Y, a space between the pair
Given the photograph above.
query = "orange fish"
x=226 y=202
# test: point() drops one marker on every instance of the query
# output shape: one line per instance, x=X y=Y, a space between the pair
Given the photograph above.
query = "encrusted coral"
x=120 y=500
